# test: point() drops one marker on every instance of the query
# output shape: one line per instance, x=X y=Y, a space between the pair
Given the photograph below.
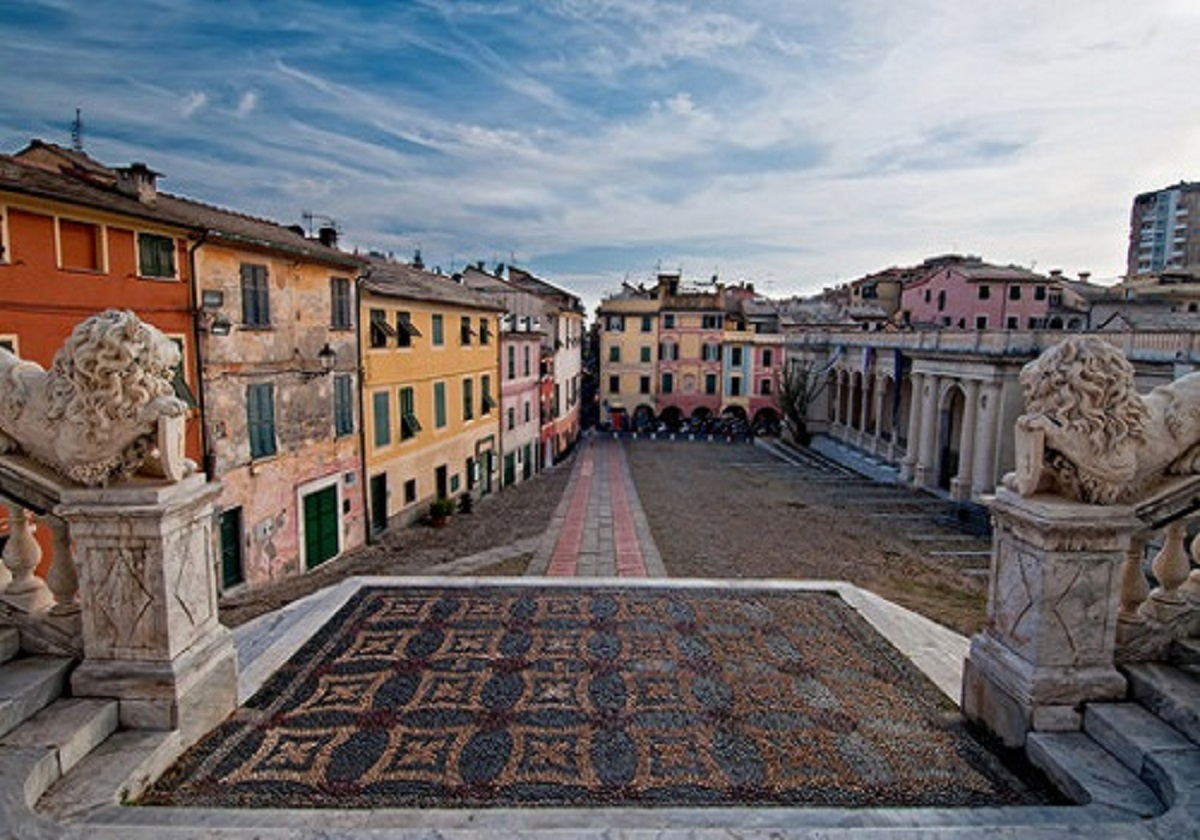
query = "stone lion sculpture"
x=104 y=409
x=1088 y=435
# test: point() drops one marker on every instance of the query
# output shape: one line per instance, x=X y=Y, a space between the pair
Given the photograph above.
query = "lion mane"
x=1105 y=443
x=93 y=415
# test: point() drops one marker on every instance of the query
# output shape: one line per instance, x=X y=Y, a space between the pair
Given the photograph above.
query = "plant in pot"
x=440 y=511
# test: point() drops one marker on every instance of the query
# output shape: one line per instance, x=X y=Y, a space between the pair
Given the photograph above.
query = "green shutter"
x=320 y=526
x=383 y=418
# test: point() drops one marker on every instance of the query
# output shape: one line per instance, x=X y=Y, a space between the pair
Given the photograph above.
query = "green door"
x=527 y=466
x=510 y=469
x=320 y=526
x=230 y=527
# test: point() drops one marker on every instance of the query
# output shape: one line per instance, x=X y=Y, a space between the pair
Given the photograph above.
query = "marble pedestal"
x=1053 y=601
x=151 y=635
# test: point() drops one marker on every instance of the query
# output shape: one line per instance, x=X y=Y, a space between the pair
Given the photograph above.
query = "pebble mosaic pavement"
x=506 y=696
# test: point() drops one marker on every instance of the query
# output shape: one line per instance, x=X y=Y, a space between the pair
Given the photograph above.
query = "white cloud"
x=247 y=103
x=192 y=103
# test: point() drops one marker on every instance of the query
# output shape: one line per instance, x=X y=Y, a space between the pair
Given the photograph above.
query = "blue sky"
x=794 y=143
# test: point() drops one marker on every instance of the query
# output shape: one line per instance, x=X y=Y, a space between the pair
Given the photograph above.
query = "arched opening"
x=643 y=418
x=672 y=418
x=1055 y=323
x=767 y=422
x=902 y=416
x=950 y=435
x=1075 y=324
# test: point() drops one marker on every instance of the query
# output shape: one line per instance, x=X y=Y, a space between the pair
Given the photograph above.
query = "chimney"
x=296 y=229
x=138 y=181
x=1055 y=273
x=1084 y=276
x=327 y=236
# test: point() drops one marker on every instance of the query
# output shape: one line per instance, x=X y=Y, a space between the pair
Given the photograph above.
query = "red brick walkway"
x=599 y=529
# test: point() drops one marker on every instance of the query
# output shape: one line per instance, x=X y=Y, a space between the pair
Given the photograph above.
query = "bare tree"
x=799 y=384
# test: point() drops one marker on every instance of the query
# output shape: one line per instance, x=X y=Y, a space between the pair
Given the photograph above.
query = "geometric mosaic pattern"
x=505 y=696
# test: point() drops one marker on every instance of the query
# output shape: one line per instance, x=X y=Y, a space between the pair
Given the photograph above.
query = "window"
x=410 y=491
x=1034 y=323
x=768 y=357
x=229 y=527
x=668 y=321
x=668 y=383
x=343 y=404
x=438 y=328
x=614 y=384
x=256 y=300
x=381 y=403
x=381 y=330
x=260 y=419
x=468 y=399
x=526 y=369
x=981 y=322
x=79 y=246
x=941 y=300
x=764 y=387
x=645 y=355
x=985 y=291
x=339 y=303
x=735 y=386
x=735 y=356
x=615 y=323
x=512 y=361
x=710 y=352
x=644 y=385
x=527 y=412
x=1039 y=292
x=156 y=256
x=485 y=331
x=1014 y=292
x=439 y=404
x=464 y=331
x=4 y=256
x=409 y=424
x=511 y=418
x=9 y=343
x=406 y=331
x=927 y=295
x=1055 y=297
x=614 y=353
x=647 y=323
x=486 y=403
x=710 y=383
x=668 y=352
x=711 y=322
x=1012 y=320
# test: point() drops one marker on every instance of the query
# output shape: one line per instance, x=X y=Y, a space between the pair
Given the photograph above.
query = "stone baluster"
x=1191 y=589
x=1171 y=568
x=62 y=577
x=26 y=591
x=1134 y=589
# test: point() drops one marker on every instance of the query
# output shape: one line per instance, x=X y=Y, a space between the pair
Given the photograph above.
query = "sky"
x=795 y=144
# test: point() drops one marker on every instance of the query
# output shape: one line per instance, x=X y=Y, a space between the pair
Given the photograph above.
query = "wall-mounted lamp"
x=217 y=323
x=327 y=356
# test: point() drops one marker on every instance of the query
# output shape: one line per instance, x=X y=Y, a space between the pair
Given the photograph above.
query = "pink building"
x=967 y=293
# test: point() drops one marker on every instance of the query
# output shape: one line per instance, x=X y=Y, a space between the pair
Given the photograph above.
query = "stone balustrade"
x=1151 y=620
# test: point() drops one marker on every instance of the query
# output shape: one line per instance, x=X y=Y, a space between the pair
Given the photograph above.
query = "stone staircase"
x=1140 y=757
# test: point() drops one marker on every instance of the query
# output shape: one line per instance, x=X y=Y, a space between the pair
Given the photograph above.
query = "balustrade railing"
x=1151 y=620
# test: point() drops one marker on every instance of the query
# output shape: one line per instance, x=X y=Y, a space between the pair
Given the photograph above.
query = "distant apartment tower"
x=1164 y=230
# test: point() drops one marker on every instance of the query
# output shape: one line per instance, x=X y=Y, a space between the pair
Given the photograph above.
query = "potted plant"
x=440 y=511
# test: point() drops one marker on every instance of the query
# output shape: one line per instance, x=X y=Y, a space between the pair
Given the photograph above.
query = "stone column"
x=147 y=576
x=25 y=590
x=908 y=466
x=864 y=410
x=926 y=466
x=960 y=485
x=983 y=471
x=877 y=439
x=1053 y=603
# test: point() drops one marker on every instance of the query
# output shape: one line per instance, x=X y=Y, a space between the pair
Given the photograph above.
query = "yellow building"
x=431 y=385
x=629 y=358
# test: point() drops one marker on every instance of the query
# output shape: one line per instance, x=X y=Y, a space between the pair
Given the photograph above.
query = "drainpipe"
x=206 y=453
x=368 y=513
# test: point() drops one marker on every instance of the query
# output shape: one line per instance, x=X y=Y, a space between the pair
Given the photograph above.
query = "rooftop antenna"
x=77 y=131
x=325 y=221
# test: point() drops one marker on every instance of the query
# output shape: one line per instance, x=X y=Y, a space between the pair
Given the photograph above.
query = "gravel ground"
x=721 y=511
x=498 y=520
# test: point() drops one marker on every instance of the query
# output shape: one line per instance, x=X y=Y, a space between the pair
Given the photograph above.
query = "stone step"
x=10 y=643
x=1147 y=746
x=29 y=684
x=119 y=770
x=1186 y=652
x=70 y=727
x=1089 y=774
x=1173 y=694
